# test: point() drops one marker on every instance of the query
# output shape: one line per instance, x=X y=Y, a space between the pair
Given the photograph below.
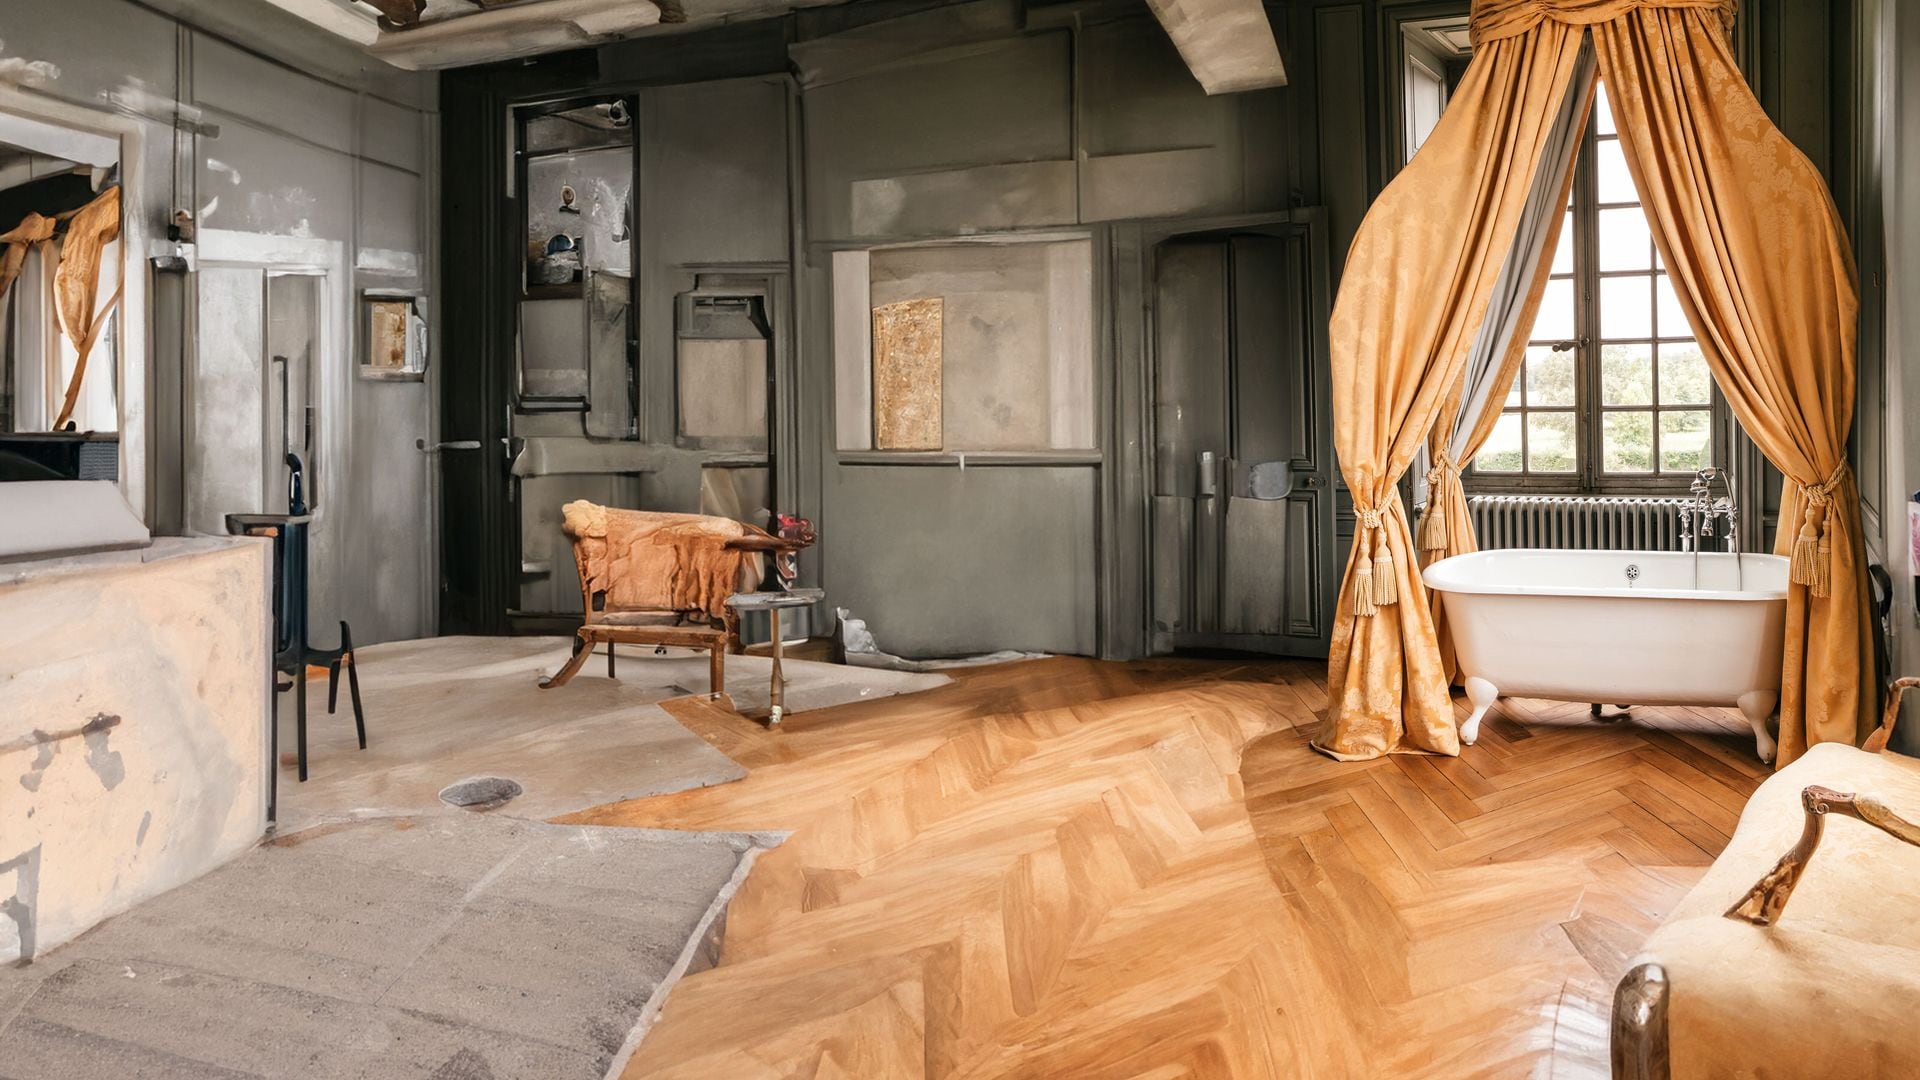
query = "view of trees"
x=1628 y=377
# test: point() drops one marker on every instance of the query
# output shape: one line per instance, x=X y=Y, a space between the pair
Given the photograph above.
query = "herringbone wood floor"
x=1067 y=868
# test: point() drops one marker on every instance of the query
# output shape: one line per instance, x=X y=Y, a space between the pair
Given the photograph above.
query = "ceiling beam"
x=1228 y=44
x=503 y=33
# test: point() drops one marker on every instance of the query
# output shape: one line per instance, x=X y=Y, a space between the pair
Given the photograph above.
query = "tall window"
x=1614 y=393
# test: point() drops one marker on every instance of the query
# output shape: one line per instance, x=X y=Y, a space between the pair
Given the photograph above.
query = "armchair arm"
x=1877 y=741
x=1764 y=902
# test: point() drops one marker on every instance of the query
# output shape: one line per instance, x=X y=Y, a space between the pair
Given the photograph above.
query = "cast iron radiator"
x=1577 y=522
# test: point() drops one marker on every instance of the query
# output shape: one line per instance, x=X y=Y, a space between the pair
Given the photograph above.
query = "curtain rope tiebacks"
x=1374 y=583
x=1433 y=524
x=1812 y=561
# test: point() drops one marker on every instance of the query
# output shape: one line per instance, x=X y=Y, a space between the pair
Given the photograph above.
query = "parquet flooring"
x=1067 y=868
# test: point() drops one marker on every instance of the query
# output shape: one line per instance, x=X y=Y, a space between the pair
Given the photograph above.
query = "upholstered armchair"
x=1736 y=983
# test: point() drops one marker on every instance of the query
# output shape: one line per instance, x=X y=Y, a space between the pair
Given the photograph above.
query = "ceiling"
x=1228 y=44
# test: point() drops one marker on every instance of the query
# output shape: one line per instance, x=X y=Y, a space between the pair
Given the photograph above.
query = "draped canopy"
x=1448 y=262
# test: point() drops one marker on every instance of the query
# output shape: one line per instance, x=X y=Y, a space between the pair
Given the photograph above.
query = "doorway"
x=1242 y=525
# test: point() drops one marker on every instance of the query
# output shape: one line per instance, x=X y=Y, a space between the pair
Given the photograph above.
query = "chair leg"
x=333 y=684
x=300 y=717
x=609 y=659
x=353 y=681
x=582 y=649
x=717 y=668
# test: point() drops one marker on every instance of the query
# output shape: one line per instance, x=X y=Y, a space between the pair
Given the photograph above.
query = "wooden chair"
x=609 y=622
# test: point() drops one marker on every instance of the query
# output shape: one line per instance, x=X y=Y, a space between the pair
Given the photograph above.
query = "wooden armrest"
x=1764 y=902
x=764 y=543
x=1877 y=741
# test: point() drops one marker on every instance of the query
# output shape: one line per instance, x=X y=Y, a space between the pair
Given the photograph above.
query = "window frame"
x=1589 y=476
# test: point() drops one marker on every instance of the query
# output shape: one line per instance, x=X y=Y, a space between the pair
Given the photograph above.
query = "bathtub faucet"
x=1697 y=517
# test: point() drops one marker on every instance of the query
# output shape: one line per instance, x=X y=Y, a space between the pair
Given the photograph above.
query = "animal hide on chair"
x=646 y=560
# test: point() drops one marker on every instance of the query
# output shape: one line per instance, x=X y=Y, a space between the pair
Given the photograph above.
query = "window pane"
x=1666 y=302
x=1549 y=376
x=1502 y=450
x=1563 y=250
x=1625 y=243
x=1602 y=109
x=1550 y=442
x=1627 y=442
x=1514 y=398
x=1626 y=307
x=1555 y=321
x=1684 y=378
x=1615 y=183
x=1626 y=375
x=1685 y=439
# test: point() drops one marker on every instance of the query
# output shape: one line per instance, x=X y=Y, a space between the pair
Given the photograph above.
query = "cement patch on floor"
x=454 y=946
x=442 y=710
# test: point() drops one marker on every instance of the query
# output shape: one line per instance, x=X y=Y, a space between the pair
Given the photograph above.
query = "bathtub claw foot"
x=1482 y=694
x=1757 y=707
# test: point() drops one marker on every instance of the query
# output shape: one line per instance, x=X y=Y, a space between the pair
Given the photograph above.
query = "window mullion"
x=1586 y=268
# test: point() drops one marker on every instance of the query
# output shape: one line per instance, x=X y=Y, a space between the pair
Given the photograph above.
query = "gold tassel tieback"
x=1374 y=583
x=1433 y=524
x=1812 y=561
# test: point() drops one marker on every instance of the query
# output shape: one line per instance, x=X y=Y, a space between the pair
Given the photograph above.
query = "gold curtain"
x=1416 y=287
x=33 y=231
x=1446 y=529
x=1757 y=255
x=76 y=278
x=76 y=284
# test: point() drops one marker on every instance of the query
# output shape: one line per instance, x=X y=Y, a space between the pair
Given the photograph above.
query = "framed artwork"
x=907 y=361
x=393 y=337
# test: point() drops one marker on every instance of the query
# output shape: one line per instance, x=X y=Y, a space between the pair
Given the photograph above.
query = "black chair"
x=292 y=652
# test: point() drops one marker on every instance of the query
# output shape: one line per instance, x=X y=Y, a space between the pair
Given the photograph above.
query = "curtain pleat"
x=1756 y=252
x=1416 y=288
x=1468 y=415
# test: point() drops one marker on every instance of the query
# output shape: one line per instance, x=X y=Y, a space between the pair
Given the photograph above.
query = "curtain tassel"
x=1433 y=524
x=1363 y=604
x=1433 y=527
x=1811 y=563
x=1374 y=583
x=1386 y=586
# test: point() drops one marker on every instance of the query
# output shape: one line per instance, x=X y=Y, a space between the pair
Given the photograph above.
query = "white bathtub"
x=1575 y=626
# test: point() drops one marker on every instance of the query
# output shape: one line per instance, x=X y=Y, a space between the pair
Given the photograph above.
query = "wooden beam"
x=1228 y=44
x=503 y=33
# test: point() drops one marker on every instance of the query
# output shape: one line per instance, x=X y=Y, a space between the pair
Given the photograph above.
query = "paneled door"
x=1242 y=517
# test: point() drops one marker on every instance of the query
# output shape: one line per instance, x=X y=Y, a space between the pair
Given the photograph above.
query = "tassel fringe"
x=1433 y=530
x=1363 y=590
x=1386 y=587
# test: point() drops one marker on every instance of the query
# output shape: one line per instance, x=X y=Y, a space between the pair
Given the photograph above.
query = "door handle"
x=1209 y=481
x=458 y=444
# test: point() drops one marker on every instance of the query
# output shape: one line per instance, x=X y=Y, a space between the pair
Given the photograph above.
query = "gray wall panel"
x=948 y=561
x=1007 y=102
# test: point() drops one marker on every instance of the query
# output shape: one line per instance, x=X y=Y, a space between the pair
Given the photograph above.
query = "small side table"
x=771 y=603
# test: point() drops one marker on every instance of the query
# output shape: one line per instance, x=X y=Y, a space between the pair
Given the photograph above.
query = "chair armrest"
x=1764 y=902
x=764 y=543
x=1877 y=741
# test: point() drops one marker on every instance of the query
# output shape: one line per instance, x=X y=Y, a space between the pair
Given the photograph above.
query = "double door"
x=1242 y=514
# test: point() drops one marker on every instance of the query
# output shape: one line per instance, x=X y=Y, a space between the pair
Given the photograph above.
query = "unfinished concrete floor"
x=441 y=710
x=456 y=946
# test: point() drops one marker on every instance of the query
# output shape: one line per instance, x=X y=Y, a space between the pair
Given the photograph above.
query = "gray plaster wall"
x=323 y=162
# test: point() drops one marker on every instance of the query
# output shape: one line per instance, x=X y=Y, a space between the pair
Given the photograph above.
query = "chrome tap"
x=1696 y=524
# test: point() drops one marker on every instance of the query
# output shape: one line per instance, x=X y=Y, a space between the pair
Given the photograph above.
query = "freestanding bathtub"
x=1622 y=627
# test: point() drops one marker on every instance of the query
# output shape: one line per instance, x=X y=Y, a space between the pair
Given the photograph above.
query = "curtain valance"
x=1496 y=19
